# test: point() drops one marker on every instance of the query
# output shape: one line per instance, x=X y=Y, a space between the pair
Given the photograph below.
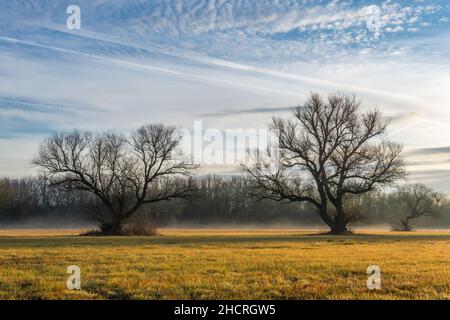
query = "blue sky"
x=230 y=64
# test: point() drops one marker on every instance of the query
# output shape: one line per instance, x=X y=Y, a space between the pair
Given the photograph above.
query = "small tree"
x=417 y=200
x=124 y=173
x=328 y=152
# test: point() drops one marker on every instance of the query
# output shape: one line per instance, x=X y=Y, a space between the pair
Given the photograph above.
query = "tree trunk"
x=111 y=229
x=339 y=228
x=116 y=229
x=114 y=226
x=406 y=226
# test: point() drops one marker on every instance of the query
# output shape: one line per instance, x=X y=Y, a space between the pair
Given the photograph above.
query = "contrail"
x=145 y=66
x=236 y=66
x=89 y=55
x=212 y=61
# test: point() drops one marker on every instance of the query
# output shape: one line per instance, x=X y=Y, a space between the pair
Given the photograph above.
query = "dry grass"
x=225 y=264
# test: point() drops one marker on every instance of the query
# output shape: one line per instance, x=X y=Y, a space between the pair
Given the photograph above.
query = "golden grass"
x=225 y=264
x=39 y=232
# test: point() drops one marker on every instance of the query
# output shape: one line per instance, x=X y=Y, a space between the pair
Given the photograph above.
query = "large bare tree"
x=327 y=152
x=123 y=172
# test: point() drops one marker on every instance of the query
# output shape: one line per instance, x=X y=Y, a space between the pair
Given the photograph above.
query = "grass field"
x=224 y=264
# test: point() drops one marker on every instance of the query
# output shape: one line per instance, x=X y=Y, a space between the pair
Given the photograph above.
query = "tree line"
x=334 y=160
x=219 y=200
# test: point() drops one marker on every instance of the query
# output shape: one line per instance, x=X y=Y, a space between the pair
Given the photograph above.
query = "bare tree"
x=123 y=172
x=328 y=151
x=417 y=200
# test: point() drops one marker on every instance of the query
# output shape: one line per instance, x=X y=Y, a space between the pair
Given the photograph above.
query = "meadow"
x=224 y=264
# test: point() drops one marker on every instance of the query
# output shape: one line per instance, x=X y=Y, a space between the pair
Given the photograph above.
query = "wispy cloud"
x=232 y=112
x=430 y=151
x=22 y=116
x=403 y=117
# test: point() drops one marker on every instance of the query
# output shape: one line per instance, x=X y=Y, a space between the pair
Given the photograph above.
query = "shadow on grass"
x=207 y=239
